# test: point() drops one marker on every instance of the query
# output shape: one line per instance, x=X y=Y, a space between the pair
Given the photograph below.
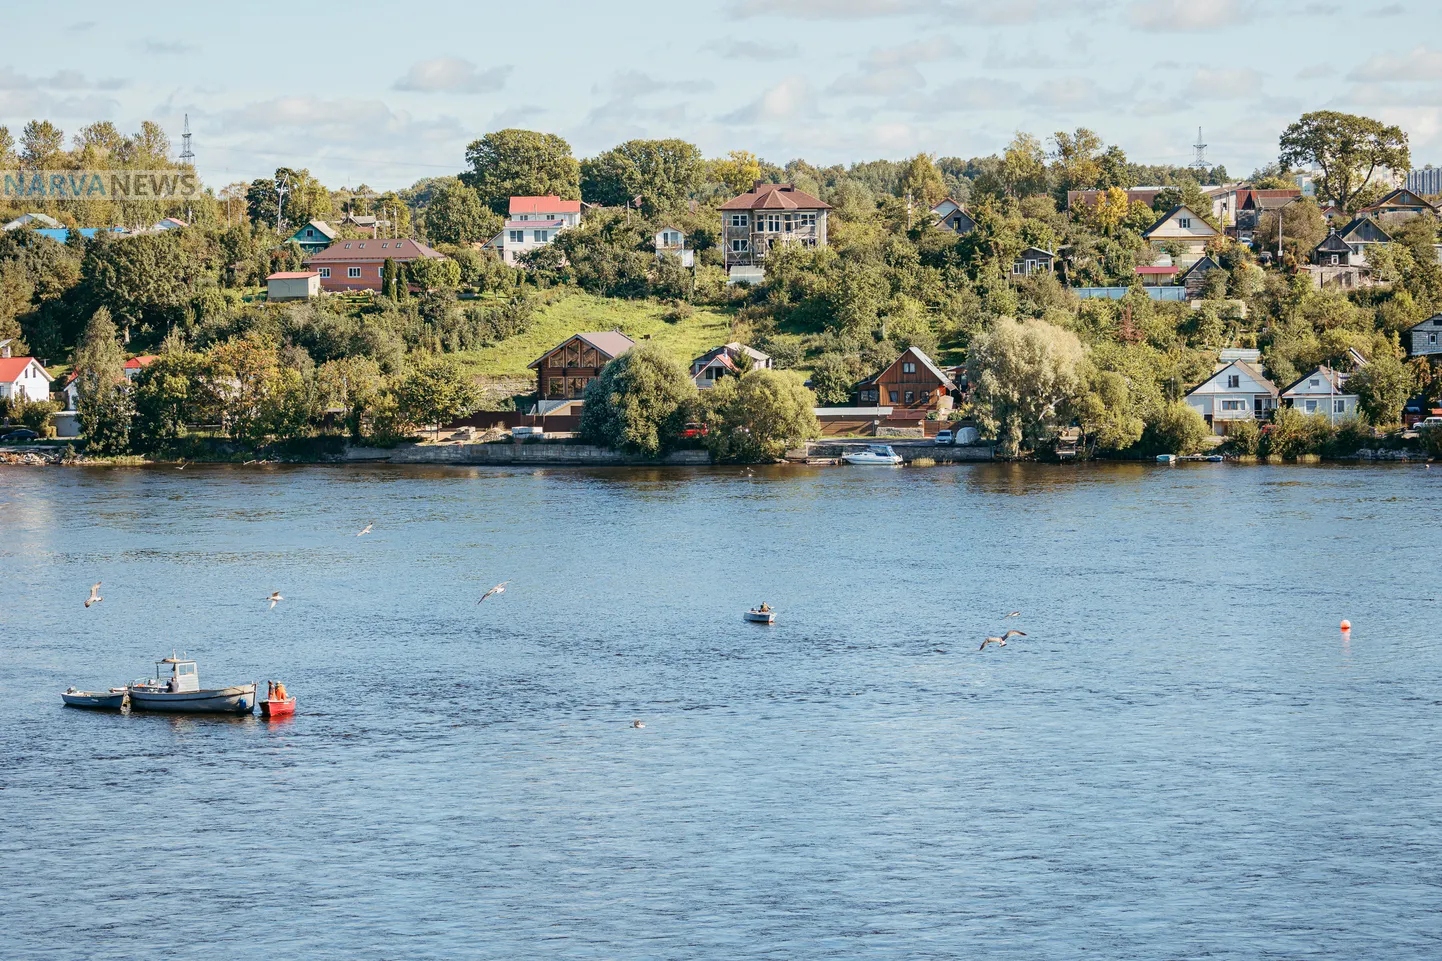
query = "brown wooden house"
x=563 y=372
x=912 y=382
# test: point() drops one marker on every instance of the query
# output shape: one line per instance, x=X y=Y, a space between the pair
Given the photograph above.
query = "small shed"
x=292 y=285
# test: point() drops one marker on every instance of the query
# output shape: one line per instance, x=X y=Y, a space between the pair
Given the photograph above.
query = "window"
x=353 y=273
x=1311 y=406
x=1431 y=339
x=892 y=395
x=518 y=236
x=1314 y=382
x=380 y=272
x=540 y=236
x=400 y=244
x=1335 y=260
x=1234 y=405
x=739 y=246
x=870 y=396
x=806 y=220
x=908 y=367
x=1339 y=407
x=738 y=220
x=310 y=233
x=910 y=396
x=325 y=273
x=787 y=223
x=1184 y=222
x=1234 y=380
x=1018 y=268
x=347 y=246
x=773 y=223
x=384 y=246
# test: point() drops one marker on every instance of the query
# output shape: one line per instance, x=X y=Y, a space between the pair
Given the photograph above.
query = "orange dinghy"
x=277 y=703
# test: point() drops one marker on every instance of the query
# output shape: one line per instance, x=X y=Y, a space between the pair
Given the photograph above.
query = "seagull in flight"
x=181 y=465
x=498 y=589
x=1014 y=614
x=1000 y=641
x=274 y=599
x=94 y=597
x=365 y=530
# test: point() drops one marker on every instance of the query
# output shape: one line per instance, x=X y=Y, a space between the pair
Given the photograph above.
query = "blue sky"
x=387 y=93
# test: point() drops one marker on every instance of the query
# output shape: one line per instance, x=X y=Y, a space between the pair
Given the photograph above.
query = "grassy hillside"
x=577 y=312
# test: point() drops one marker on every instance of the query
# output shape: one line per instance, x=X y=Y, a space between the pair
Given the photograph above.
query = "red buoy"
x=1346 y=625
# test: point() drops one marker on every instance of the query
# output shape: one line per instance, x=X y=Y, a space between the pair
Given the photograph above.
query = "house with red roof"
x=132 y=368
x=23 y=377
x=533 y=222
x=766 y=215
x=359 y=264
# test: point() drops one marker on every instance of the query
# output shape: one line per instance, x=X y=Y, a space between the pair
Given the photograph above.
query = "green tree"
x=1023 y=167
x=1077 y=163
x=7 y=149
x=663 y=173
x=167 y=394
x=1021 y=373
x=457 y=216
x=389 y=274
x=99 y=361
x=639 y=403
x=429 y=273
x=923 y=183
x=525 y=163
x=1349 y=150
x=1382 y=387
x=1106 y=414
x=738 y=171
x=1178 y=429
x=354 y=384
x=832 y=377
x=41 y=144
x=435 y=392
x=1303 y=228
x=756 y=417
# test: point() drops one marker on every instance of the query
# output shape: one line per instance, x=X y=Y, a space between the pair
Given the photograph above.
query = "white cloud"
x=164 y=48
x=827 y=9
x=341 y=121
x=452 y=75
x=888 y=71
x=753 y=50
x=1188 y=16
x=1227 y=83
x=1418 y=64
x=790 y=99
x=976 y=93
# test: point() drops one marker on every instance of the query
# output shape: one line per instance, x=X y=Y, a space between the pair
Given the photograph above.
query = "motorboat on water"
x=877 y=455
x=111 y=700
x=277 y=702
x=757 y=616
x=176 y=688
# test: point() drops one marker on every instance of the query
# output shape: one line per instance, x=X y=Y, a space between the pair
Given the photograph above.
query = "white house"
x=25 y=220
x=534 y=222
x=1184 y=226
x=672 y=240
x=715 y=364
x=1237 y=391
x=1322 y=392
x=24 y=377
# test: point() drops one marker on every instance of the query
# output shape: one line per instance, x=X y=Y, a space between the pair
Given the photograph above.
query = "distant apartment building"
x=533 y=222
x=767 y=215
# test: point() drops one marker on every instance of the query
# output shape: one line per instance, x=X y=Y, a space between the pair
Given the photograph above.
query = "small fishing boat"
x=176 y=688
x=112 y=700
x=277 y=702
x=877 y=455
x=1166 y=458
x=758 y=616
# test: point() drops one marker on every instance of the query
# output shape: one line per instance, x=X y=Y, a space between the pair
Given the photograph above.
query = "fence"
x=1169 y=294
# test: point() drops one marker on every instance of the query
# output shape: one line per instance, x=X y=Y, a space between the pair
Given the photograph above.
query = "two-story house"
x=671 y=242
x=1323 y=391
x=1237 y=391
x=952 y=216
x=563 y=372
x=1360 y=235
x=23 y=377
x=1184 y=226
x=533 y=222
x=912 y=381
x=766 y=215
x=314 y=236
x=725 y=361
x=360 y=264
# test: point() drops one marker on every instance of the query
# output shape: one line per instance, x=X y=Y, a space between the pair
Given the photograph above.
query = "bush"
x=756 y=417
x=639 y=403
x=677 y=312
x=1179 y=429
x=1244 y=437
x=1295 y=434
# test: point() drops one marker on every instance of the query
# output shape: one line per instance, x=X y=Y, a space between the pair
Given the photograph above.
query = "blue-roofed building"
x=62 y=234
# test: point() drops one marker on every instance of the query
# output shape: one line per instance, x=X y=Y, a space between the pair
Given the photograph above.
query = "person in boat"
x=278 y=692
x=764 y=608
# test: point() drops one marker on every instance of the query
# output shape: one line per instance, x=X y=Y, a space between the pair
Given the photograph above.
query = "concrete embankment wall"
x=538 y=455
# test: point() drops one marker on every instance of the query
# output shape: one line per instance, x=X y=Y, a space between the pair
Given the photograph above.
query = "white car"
x=943 y=437
x=1428 y=423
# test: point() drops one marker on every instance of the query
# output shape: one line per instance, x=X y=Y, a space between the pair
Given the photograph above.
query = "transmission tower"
x=187 y=156
x=1200 y=160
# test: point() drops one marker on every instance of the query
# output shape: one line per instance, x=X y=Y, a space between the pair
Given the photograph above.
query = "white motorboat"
x=176 y=688
x=877 y=455
x=757 y=616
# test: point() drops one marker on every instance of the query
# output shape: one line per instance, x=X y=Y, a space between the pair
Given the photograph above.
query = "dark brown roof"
x=775 y=197
x=378 y=249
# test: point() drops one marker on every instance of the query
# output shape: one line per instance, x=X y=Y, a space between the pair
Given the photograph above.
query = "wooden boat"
x=757 y=616
x=112 y=700
x=877 y=455
x=272 y=707
x=181 y=693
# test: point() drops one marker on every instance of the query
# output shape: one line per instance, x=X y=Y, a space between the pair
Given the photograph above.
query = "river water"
x=1183 y=758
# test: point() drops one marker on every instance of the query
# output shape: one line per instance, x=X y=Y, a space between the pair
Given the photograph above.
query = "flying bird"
x=1000 y=641
x=498 y=589
x=94 y=597
x=365 y=530
x=637 y=724
x=1014 y=614
x=181 y=465
x=274 y=599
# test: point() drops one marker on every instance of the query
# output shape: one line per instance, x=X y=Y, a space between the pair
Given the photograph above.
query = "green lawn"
x=577 y=313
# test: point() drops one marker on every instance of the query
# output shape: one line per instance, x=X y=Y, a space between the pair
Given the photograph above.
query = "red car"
x=693 y=430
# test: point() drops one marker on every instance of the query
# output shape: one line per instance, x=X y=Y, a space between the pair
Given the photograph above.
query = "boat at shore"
x=877 y=455
x=176 y=689
x=111 y=700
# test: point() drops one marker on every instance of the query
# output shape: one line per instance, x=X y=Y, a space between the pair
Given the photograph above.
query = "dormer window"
x=1234 y=381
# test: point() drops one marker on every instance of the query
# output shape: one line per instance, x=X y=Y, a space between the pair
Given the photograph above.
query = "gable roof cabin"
x=1236 y=391
x=952 y=216
x=563 y=372
x=1195 y=276
x=1032 y=260
x=912 y=380
x=1399 y=203
x=1323 y=391
x=719 y=361
x=1182 y=225
x=1364 y=230
x=314 y=236
x=1426 y=337
x=25 y=220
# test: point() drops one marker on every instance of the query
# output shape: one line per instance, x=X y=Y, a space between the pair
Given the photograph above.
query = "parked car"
x=943 y=437
x=23 y=433
x=694 y=430
x=1427 y=423
x=526 y=433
